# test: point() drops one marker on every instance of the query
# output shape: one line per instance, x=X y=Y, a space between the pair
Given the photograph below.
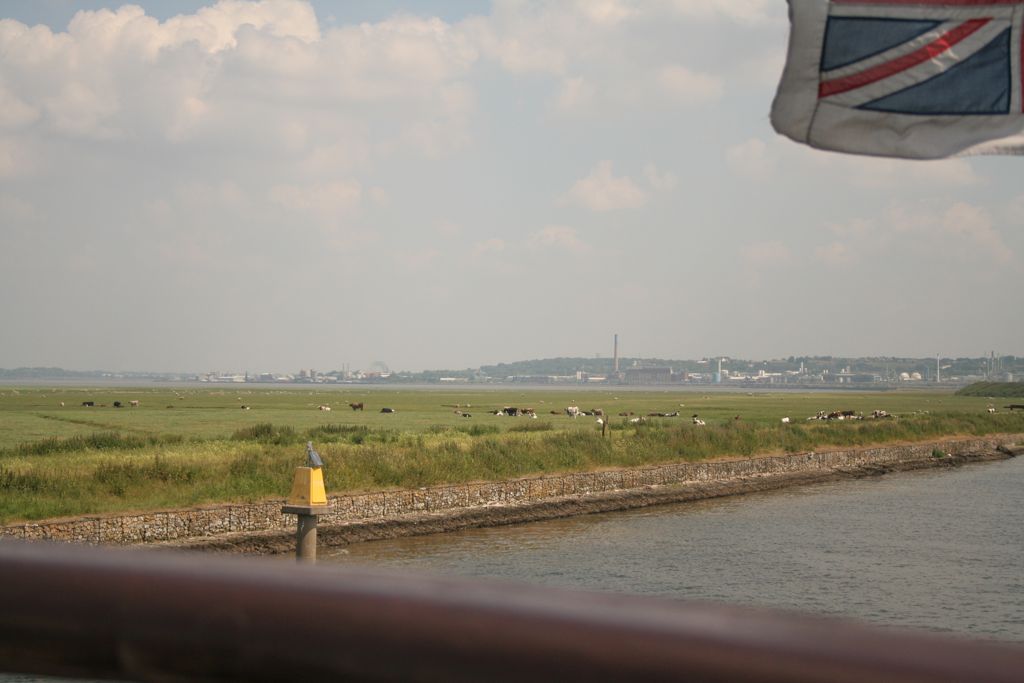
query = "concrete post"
x=305 y=530
x=305 y=539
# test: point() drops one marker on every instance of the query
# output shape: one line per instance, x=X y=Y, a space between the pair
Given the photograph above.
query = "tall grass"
x=100 y=441
x=111 y=471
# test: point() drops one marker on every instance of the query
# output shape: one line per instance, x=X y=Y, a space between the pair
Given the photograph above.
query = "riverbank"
x=261 y=528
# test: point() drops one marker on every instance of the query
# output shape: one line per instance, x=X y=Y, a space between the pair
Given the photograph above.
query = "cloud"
x=491 y=246
x=417 y=260
x=601 y=191
x=242 y=75
x=743 y=11
x=835 y=254
x=576 y=94
x=686 y=86
x=961 y=229
x=766 y=254
x=325 y=200
x=751 y=159
x=14 y=112
x=557 y=237
x=877 y=173
x=973 y=224
x=660 y=181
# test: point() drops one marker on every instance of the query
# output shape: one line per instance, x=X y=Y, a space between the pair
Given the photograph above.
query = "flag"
x=920 y=79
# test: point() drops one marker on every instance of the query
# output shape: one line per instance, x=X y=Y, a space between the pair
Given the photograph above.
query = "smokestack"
x=615 y=353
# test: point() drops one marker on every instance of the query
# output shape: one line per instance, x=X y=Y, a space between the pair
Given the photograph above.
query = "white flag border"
x=798 y=114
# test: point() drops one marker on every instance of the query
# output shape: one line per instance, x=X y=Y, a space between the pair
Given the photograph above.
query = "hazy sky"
x=189 y=186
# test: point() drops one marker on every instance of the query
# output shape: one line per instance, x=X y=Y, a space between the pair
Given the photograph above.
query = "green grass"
x=994 y=390
x=72 y=460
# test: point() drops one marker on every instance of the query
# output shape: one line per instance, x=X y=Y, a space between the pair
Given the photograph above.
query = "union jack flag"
x=908 y=78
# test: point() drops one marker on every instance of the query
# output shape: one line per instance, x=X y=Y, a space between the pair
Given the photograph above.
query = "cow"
x=117 y=404
x=133 y=404
x=325 y=409
x=697 y=421
x=241 y=407
x=88 y=404
x=991 y=410
x=573 y=411
x=528 y=411
x=387 y=410
x=785 y=420
x=355 y=406
x=626 y=413
x=510 y=411
x=1014 y=406
x=62 y=404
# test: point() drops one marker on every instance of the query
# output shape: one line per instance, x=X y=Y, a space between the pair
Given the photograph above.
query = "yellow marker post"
x=308 y=487
x=307 y=500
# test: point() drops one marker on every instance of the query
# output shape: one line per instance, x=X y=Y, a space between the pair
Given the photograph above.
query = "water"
x=936 y=549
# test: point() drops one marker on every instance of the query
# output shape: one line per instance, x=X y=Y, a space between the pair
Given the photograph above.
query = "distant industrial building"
x=650 y=376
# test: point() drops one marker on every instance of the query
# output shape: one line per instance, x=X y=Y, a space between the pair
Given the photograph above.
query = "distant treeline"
x=994 y=389
x=61 y=373
x=882 y=366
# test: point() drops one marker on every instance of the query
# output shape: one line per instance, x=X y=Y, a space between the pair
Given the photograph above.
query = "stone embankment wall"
x=193 y=523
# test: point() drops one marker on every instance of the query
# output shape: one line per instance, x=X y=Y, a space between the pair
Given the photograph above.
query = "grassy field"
x=189 y=446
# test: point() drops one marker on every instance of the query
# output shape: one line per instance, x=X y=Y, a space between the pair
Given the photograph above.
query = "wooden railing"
x=162 y=616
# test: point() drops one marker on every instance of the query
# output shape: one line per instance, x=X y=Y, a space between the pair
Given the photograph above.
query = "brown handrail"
x=163 y=616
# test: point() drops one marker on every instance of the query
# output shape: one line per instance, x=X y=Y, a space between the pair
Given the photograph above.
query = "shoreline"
x=261 y=528
x=423 y=524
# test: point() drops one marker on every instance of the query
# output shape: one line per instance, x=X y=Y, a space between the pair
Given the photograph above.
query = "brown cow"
x=355 y=406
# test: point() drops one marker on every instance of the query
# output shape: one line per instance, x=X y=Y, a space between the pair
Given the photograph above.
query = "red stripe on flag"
x=877 y=73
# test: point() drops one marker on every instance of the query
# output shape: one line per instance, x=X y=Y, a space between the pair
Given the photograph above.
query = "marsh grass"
x=142 y=467
x=97 y=441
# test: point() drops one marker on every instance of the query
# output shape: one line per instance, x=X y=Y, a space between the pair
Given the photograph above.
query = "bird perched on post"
x=314 y=457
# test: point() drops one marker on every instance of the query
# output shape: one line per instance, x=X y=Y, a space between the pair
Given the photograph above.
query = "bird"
x=314 y=457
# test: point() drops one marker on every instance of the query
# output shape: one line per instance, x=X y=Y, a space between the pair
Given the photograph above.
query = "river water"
x=937 y=549
x=941 y=550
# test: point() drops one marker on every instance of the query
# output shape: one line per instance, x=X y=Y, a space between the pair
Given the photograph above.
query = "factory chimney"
x=615 y=353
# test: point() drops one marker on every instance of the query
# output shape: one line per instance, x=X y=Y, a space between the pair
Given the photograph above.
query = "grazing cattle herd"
x=574 y=411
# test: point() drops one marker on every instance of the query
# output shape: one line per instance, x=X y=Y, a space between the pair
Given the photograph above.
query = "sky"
x=267 y=186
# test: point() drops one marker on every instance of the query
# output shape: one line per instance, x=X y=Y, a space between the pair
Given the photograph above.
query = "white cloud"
x=876 y=173
x=556 y=237
x=973 y=224
x=601 y=191
x=660 y=181
x=417 y=260
x=326 y=200
x=10 y=158
x=836 y=254
x=491 y=246
x=246 y=74
x=961 y=229
x=686 y=86
x=16 y=212
x=744 y=11
x=766 y=254
x=576 y=94
x=14 y=112
x=751 y=159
